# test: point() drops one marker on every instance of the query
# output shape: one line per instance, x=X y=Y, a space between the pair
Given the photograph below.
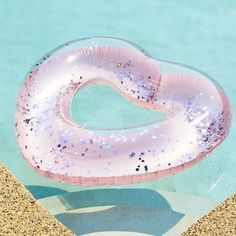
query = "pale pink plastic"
x=198 y=115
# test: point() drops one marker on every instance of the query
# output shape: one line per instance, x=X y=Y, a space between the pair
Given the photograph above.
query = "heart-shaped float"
x=197 y=115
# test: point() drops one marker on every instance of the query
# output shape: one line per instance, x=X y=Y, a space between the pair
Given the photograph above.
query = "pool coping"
x=21 y=214
x=220 y=221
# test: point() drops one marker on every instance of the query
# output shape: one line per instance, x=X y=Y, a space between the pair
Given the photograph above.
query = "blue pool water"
x=201 y=34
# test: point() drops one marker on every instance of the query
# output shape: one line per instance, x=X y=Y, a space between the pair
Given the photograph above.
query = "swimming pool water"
x=200 y=34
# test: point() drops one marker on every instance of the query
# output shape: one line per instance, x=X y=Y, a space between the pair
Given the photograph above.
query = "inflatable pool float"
x=197 y=115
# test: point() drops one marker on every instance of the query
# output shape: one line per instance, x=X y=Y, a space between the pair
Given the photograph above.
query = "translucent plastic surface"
x=197 y=115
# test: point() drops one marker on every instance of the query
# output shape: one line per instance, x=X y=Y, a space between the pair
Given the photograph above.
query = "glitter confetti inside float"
x=197 y=115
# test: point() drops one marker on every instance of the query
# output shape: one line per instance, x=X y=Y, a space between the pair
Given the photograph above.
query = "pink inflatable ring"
x=197 y=115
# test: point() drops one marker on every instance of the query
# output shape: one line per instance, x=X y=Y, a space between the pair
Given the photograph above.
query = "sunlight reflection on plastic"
x=197 y=115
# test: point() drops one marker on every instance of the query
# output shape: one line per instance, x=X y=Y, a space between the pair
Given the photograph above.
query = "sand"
x=221 y=221
x=20 y=214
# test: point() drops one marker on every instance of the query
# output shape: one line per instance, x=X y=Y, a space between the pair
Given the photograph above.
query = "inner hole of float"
x=102 y=107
